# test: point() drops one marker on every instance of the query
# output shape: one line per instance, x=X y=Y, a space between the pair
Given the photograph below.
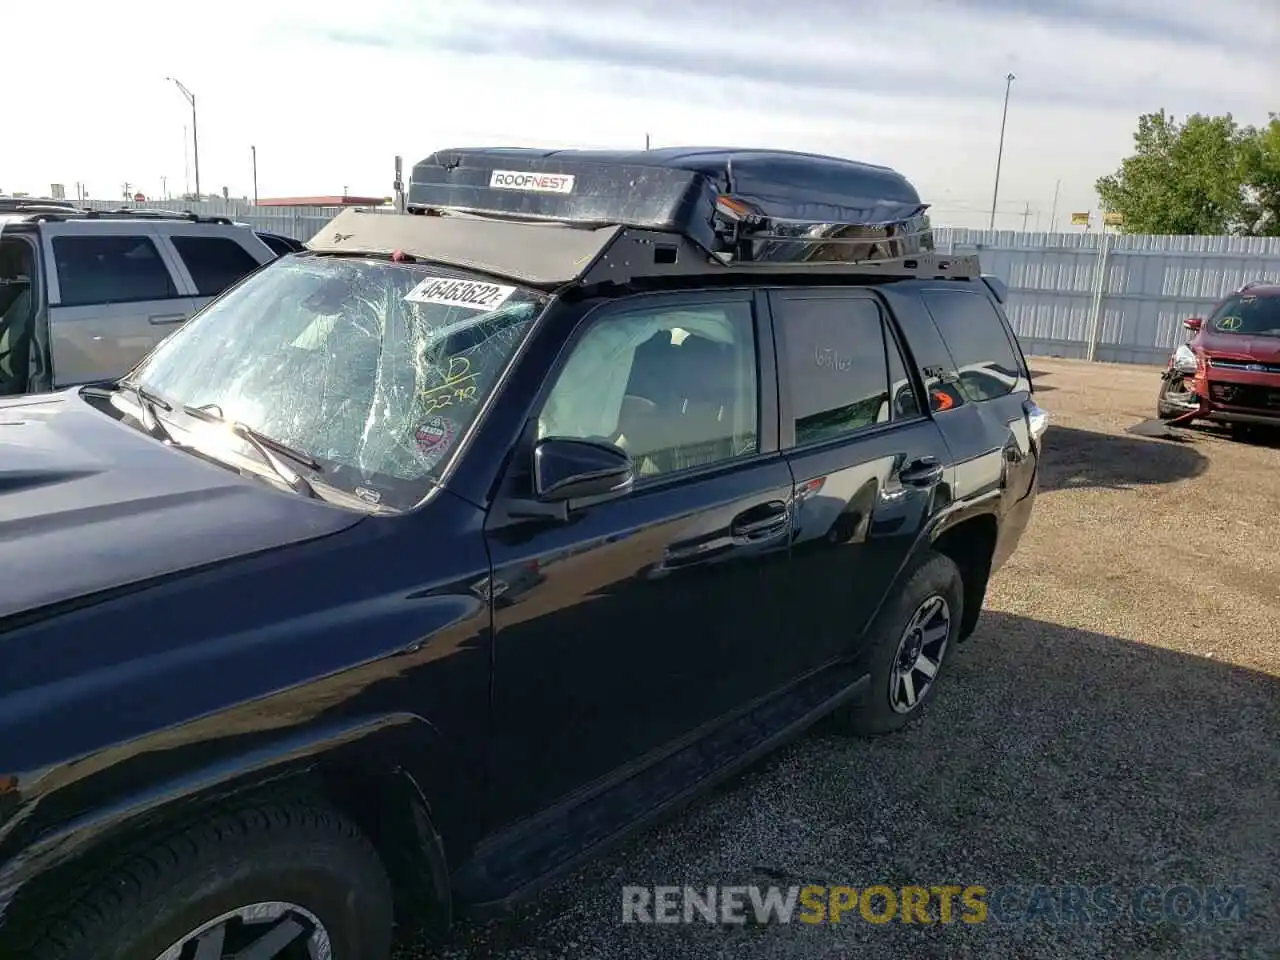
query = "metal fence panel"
x=1150 y=285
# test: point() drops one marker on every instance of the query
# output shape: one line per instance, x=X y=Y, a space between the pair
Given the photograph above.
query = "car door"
x=112 y=297
x=987 y=430
x=865 y=457
x=654 y=614
x=213 y=261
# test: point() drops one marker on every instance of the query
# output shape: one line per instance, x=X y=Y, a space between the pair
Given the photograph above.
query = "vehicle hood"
x=88 y=504
x=1241 y=346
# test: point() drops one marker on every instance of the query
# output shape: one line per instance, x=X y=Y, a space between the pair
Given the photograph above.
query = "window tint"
x=214 y=263
x=673 y=385
x=94 y=270
x=835 y=356
x=985 y=358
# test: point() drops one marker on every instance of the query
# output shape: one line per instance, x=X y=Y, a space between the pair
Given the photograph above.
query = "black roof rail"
x=59 y=215
x=158 y=214
x=1253 y=283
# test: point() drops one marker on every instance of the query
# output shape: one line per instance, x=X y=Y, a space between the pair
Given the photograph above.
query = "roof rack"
x=54 y=215
x=552 y=255
x=1253 y=283
x=751 y=205
x=161 y=214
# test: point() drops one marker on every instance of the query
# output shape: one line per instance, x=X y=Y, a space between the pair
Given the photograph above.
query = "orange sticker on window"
x=942 y=400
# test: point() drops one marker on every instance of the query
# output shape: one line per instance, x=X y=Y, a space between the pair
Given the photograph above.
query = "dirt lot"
x=1116 y=720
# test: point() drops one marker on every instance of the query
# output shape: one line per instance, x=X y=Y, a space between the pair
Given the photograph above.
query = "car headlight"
x=1184 y=359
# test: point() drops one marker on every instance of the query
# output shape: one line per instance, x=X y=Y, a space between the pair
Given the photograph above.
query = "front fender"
x=45 y=835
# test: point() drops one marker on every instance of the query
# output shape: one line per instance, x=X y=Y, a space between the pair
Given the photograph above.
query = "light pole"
x=254 y=151
x=995 y=194
x=195 y=135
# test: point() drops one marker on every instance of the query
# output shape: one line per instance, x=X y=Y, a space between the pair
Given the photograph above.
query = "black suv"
x=519 y=519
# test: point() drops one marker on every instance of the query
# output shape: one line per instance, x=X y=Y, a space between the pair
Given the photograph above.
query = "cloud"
x=917 y=86
x=1232 y=26
x=1068 y=52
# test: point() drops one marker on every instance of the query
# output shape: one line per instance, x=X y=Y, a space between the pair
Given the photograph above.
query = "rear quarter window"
x=987 y=361
x=214 y=263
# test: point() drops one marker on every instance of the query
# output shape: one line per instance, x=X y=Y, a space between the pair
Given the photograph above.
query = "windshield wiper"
x=266 y=447
x=149 y=403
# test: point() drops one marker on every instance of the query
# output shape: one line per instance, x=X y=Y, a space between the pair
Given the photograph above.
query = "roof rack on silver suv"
x=124 y=213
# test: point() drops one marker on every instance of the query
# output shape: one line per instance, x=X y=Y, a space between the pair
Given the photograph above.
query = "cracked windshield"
x=373 y=368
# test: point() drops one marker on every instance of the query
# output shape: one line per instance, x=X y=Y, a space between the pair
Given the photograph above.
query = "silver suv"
x=85 y=295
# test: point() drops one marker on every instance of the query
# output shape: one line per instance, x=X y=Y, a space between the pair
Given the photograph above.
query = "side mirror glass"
x=1193 y=323
x=565 y=469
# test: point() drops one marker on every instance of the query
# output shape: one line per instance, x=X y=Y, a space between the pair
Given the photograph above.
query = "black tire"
x=1163 y=410
x=301 y=853
x=934 y=576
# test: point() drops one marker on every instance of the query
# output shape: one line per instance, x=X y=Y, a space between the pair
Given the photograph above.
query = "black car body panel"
x=110 y=709
x=88 y=504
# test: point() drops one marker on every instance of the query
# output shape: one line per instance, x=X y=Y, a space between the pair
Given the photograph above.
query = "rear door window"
x=986 y=359
x=110 y=269
x=214 y=263
x=844 y=373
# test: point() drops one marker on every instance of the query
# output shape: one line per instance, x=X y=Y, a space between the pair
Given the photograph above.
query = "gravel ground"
x=1116 y=720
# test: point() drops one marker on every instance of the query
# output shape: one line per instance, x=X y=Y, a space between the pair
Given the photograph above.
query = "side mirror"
x=1193 y=323
x=565 y=469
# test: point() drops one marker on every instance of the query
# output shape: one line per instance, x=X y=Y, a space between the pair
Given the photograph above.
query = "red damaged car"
x=1229 y=372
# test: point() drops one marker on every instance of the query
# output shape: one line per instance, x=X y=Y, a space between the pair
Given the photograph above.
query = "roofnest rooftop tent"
x=740 y=205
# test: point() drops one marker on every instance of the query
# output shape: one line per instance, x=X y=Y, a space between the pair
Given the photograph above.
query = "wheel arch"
x=970 y=540
x=378 y=772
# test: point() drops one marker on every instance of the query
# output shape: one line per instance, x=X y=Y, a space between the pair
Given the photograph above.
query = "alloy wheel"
x=260 y=931
x=919 y=655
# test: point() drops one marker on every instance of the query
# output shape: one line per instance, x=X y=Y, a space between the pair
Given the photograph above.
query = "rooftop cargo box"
x=752 y=205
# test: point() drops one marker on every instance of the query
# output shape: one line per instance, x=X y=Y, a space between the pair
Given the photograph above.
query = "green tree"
x=1260 y=163
x=1186 y=178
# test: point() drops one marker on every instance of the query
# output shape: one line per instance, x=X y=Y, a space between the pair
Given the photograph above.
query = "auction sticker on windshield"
x=472 y=294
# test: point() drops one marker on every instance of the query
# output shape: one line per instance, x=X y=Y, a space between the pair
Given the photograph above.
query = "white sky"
x=329 y=92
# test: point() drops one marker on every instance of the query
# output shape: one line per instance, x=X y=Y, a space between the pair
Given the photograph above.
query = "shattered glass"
x=328 y=356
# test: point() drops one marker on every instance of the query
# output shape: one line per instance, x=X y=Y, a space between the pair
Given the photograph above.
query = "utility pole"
x=127 y=194
x=254 y=151
x=646 y=141
x=995 y=193
x=1026 y=215
x=1053 y=217
x=164 y=187
x=195 y=133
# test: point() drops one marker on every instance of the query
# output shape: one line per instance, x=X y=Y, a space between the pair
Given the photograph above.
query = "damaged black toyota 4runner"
x=418 y=567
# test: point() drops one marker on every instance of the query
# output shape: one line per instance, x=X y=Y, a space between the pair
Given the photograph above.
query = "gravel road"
x=1115 y=720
